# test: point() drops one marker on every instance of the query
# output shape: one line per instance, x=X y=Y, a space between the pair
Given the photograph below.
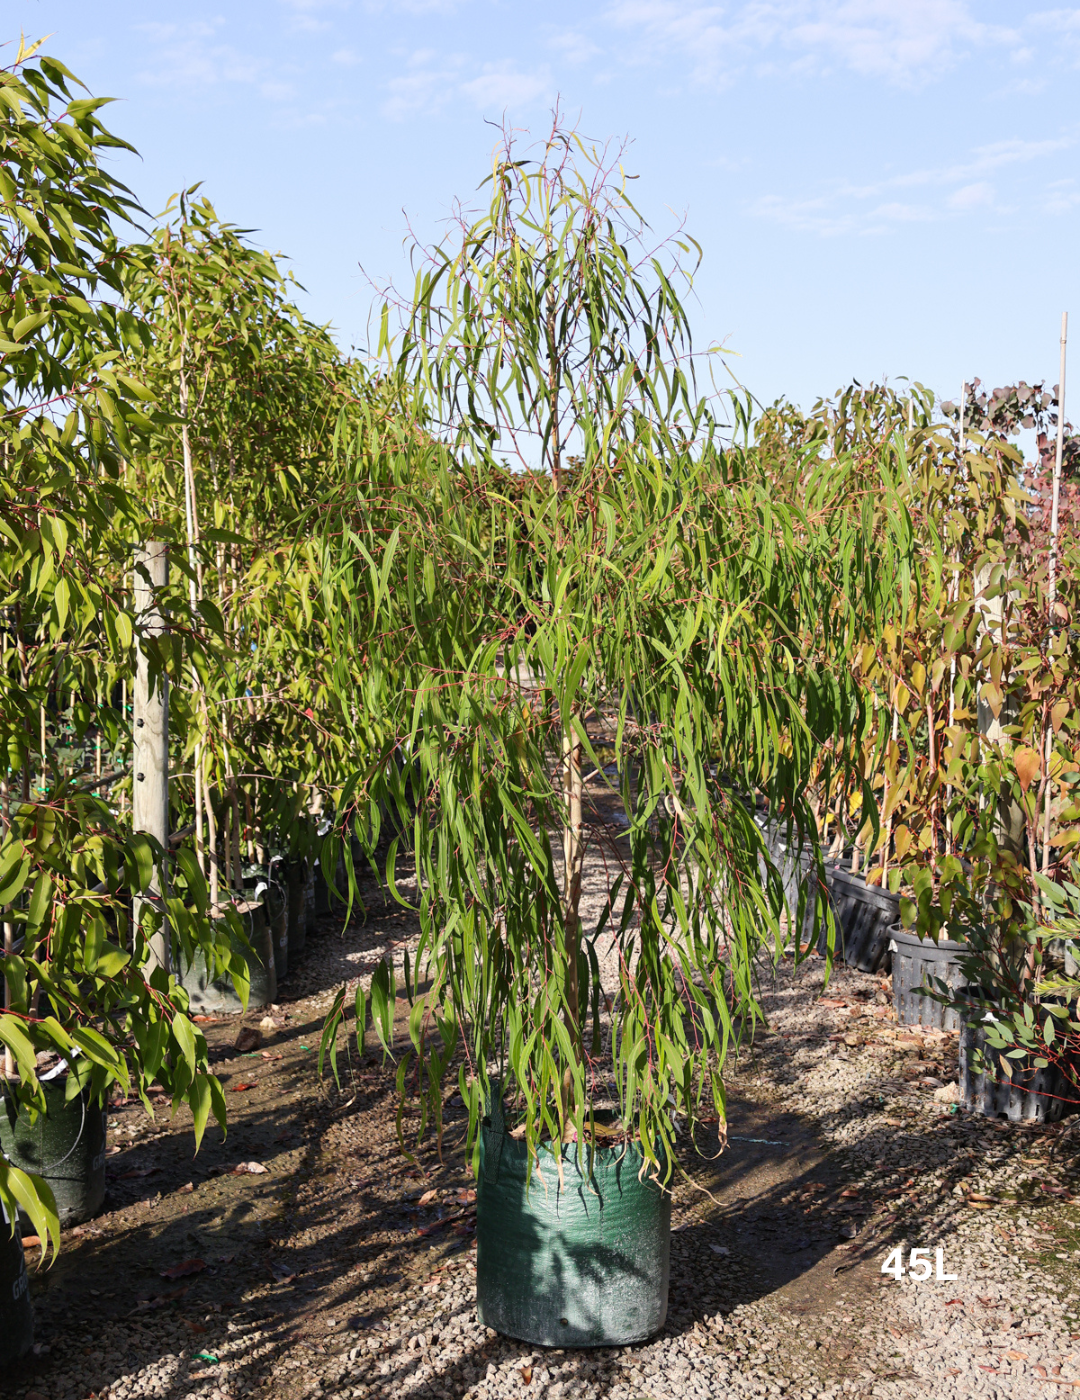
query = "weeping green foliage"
x=650 y=586
x=710 y=627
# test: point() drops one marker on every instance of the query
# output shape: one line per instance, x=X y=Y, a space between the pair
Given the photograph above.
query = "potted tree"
x=627 y=584
x=83 y=985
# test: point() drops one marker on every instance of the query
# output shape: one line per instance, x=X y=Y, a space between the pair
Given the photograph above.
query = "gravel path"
x=346 y=1271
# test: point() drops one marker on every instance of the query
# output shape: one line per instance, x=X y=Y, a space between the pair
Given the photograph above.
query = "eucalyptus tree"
x=636 y=595
x=74 y=969
x=253 y=392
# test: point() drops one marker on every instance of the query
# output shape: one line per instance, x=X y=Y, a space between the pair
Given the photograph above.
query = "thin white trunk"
x=1052 y=581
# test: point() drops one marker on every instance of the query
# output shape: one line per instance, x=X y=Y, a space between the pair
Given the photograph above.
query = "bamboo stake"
x=1052 y=581
x=211 y=842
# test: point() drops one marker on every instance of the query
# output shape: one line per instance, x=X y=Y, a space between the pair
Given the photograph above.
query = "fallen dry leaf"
x=282 y=1273
x=1017 y=1355
x=206 y=1020
x=428 y=1196
x=159 y=1300
x=526 y=1375
x=242 y=1088
x=1040 y=1371
x=186 y=1189
x=251 y=1168
x=269 y=1055
x=848 y=1194
x=248 y=1039
x=137 y=1173
x=189 y=1266
x=955 y=1302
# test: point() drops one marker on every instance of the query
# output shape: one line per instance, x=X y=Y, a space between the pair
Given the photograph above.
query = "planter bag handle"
x=495 y=1135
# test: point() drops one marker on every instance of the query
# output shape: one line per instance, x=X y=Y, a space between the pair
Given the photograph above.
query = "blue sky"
x=881 y=187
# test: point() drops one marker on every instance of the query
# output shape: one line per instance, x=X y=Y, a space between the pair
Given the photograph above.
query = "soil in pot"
x=584 y=1264
x=16 y=1310
x=1027 y=1095
x=65 y=1145
x=864 y=916
x=915 y=961
x=214 y=998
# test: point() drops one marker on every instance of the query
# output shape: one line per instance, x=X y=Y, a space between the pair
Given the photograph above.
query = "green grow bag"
x=211 y=998
x=584 y=1265
x=16 y=1310
x=66 y=1145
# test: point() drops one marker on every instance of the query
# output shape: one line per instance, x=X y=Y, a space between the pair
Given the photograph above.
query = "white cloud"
x=189 y=56
x=573 y=46
x=974 y=196
x=345 y=58
x=1061 y=197
x=433 y=80
x=950 y=191
x=498 y=88
x=903 y=41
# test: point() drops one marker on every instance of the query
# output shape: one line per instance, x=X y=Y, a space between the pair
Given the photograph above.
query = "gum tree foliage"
x=254 y=393
x=73 y=966
x=642 y=590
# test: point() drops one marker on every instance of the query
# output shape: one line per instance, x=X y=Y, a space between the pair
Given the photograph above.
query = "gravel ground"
x=344 y=1270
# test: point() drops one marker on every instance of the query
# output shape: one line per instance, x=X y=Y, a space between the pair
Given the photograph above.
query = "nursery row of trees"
x=415 y=597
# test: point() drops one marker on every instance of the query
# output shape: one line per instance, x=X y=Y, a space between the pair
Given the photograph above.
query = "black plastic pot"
x=792 y=858
x=310 y=908
x=582 y=1264
x=66 y=1145
x=296 y=878
x=794 y=861
x=1027 y=1095
x=915 y=962
x=214 y=998
x=864 y=916
x=270 y=887
x=16 y=1310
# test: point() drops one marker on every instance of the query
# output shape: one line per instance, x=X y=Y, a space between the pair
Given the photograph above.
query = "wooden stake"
x=150 y=734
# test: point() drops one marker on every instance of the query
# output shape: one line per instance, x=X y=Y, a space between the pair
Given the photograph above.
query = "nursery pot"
x=1028 y=1095
x=864 y=915
x=66 y=1145
x=296 y=875
x=16 y=1310
x=915 y=961
x=220 y=997
x=271 y=889
x=581 y=1264
x=793 y=859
